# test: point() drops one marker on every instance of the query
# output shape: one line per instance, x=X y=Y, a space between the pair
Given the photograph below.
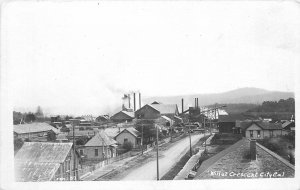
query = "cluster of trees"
x=19 y=117
x=287 y=105
x=38 y=116
x=147 y=127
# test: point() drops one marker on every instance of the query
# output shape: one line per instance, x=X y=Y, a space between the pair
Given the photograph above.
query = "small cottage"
x=288 y=127
x=129 y=135
x=100 y=147
x=260 y=129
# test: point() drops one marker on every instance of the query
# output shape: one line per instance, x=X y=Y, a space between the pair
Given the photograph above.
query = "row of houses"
x=42 y=160
x=253 y=127
x=46 y=161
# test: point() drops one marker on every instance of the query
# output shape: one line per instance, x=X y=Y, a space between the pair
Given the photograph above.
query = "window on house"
x=251 y=133
x=125 y=140
x=96 y=152
x=258 y=133
x=81 y=152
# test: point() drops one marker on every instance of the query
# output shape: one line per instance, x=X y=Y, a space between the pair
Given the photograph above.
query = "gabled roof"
x=39 y=161
x=234 y=159
x=131 y=130
x=35 y=171
x=233 y=118
x=33 y=128
x=113 y=131
x=165 y=108
x=261 y=124
x=166 y=118
x=287 y=123
x=128 y=114
x=43 y=152
x=101 y=139
x=103 y=117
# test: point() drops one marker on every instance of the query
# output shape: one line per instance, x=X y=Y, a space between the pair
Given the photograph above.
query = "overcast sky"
x=79 y=57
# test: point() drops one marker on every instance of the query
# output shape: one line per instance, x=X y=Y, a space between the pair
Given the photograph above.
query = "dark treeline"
x=287 y=105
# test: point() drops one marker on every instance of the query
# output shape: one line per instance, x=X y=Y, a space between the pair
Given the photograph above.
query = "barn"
x=122 y=116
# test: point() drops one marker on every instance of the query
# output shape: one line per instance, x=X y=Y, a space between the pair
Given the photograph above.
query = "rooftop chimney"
x=253 y=149
x=195 y=102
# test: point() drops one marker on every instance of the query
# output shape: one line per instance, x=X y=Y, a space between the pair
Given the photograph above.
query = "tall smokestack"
x=195 y=102
x=140 y=100
x=128 y=100
x=133 y=101
x=253 y=149
x=182 y=107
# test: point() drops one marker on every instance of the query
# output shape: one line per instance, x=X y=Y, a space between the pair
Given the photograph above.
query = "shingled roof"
x=288 y=124
x=33 y=128
x=31 y=171
x=264 y=125
x=43 y=152
x=101 y=139
x=130 y=115
x=131 y=130
x=233 y=160
x=39 y=161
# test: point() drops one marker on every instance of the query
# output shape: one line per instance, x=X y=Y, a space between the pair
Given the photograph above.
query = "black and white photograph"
x=149 y=94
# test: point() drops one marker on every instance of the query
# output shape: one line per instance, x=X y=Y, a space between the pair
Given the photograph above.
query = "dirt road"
x=169 y=157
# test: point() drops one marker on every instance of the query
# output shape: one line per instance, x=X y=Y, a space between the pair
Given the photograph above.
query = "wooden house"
x=44 y=161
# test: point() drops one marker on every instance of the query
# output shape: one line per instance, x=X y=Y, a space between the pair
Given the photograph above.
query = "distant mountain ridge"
x=242 y=95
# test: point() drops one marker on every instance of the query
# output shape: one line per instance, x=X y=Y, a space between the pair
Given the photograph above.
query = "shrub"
x=65 y=129
x=127 y=146
x=51 y=136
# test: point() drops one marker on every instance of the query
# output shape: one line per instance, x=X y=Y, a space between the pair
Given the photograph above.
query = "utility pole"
x=210 y=126
x=74 y=152
x=142 y=138
x=157 y=152
x=190 y=141
x=171 y=132
x=204 y=134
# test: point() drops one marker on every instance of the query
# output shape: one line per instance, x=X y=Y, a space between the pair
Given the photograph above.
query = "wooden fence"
x=83 y=171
